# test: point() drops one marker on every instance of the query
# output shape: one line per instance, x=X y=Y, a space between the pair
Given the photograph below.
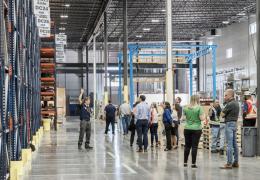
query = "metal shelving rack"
x=19 y=80
x=48 y=79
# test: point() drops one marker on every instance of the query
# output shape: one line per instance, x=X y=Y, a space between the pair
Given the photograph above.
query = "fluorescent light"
x=138 y=36
x=225 y=22
x=146 y=29
x=64 y=16
x=163 y=10
x=66 y=5
x=241 y=14
x=63 y=23
x=155 y=20
x=62 y=29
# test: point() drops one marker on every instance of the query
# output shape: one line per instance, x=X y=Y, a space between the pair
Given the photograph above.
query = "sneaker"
x=194 y=166
x=226 y=166
x=88 y=147
x=139 y=150
x=152 y=146
x=166 y=149
x=185 y=165
x=235 y=165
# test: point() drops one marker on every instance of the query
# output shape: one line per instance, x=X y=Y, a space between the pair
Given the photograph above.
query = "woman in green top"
x=193 y=129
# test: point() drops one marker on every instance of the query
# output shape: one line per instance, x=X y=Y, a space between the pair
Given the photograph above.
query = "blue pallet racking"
x=19 y=80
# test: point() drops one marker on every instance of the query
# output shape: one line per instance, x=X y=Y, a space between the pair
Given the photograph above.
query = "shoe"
x=194 y=166
x=235 y=165
x=185 y=165
x=214 y=151
x=157 y=144
x=139 y=150
x=221 y=152
x=131 y=145
x=105 y=133
x=152 y=146
x=79 y=147
x=175 y=147
x=166 y=149
x=113 y=133
x=226 y=166
x=145 y=150
x=88 y=147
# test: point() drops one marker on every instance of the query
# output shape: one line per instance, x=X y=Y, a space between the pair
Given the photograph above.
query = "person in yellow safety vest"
x=214 y=115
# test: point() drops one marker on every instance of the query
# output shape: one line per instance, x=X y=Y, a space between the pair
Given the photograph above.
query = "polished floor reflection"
x=113 y=159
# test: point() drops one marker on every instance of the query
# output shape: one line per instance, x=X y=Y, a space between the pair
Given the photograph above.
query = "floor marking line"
x=129 y=168
x=111 y=154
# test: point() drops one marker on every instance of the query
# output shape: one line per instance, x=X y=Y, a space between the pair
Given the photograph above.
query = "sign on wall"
x=60 y=41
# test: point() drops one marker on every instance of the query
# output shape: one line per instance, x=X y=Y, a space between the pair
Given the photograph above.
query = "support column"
x=105 y=58
x=191 y=78
x=110 y=86
x=120 y=78
x=87 y=72
x=125 y=50
x=214 y=78
x=80 y=60
x=169 y=74
x=198 y=68
x=94 y=74
x=258 y=74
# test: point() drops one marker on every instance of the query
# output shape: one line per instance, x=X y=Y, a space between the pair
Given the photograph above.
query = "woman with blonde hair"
x=154 y=124
x=193 y=129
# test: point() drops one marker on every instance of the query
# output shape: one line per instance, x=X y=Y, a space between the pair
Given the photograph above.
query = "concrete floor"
x=113 y=159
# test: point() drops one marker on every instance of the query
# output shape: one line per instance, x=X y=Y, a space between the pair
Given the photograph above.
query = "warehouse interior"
x=117 y=50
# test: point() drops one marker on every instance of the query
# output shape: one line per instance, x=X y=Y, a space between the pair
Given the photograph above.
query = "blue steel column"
x=131 y=78
x=191 y=74
x=120 y=78
x=214 y=90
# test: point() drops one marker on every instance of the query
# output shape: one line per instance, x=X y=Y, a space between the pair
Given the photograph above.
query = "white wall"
x=235 y=36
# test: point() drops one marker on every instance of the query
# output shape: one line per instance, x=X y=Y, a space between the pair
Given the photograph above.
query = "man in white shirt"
x=125 y=112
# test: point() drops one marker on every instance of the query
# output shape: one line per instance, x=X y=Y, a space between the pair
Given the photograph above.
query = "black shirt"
x=85 y=112
x=231 y=111
x=110 y=111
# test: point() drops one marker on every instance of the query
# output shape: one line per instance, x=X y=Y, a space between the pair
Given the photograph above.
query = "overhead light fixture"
x=163 y=10
x=64 y=16
x=138 y=36
x=241 y=14
x=66 y=5
x=146 y=29
x=225 y=22
x=155 y=20
x=63 y=23
x=62 y=29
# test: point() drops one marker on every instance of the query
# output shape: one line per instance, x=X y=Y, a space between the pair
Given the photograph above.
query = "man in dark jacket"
x=110 y=116
x=85 y=124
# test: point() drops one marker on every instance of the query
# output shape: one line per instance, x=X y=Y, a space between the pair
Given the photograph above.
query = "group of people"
x=142 y=117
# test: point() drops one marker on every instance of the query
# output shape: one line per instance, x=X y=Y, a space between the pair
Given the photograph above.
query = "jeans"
x=222 y=136
x=154 y=132
x=231 y=140
x=108 y=121
x=168 y=132
x=142 y=130
x=85 y=127
x=215 y=129
x=125 y=123
x=192 y=138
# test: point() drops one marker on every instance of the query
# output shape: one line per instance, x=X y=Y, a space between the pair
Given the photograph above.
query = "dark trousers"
x=142 y=130
x=112 y=121
x=132 y=137
x=154 y=132
x=85 y=127
x=168 y=132
x=192 y=138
